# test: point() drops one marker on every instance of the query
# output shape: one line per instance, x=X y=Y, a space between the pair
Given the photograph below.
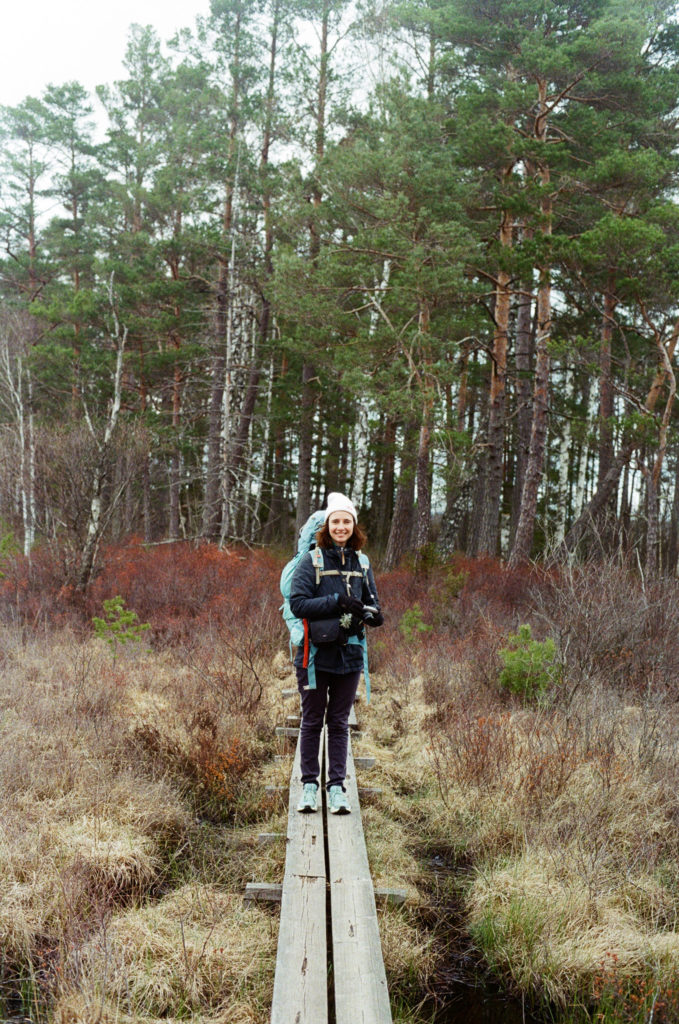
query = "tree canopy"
x=424 y=252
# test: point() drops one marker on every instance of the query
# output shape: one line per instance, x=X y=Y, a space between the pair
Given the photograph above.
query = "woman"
x=333 y=595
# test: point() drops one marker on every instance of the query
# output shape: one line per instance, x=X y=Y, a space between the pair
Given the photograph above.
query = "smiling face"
x=340 y=527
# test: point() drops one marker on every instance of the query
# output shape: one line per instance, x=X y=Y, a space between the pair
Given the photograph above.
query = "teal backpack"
x=307 y=538
x=306 y=545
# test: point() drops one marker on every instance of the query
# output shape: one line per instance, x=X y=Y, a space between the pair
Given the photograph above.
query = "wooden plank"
x=364 y=762
x=287 y=733
x=270 y=837
x=300 y=993
x=390 y=897
x=353 y=721
x=361 y=994
x=265 y=892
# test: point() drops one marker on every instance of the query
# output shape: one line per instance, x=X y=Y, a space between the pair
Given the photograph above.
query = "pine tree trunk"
x=475 y=518
x=653 y=525
x=146 y=499
x=524 y=413
x=383 y=488
x=523 y=541
x=625 y=517
x=495 y=438
x=423 y=524
x=306 y=427
x=211 y=506
x=402 y=521
x=564 y=460
x=673 y=546
x=606 y=381
x=175 y=456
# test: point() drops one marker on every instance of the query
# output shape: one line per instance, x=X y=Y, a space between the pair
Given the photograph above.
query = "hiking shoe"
x=307 y=804
x=338 y=801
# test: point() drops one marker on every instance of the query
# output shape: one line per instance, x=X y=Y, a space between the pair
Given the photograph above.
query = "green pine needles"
x=121 y=625
x=412 y=625
x=530 y=668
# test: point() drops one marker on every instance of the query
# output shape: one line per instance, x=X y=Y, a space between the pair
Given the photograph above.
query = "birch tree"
x=16 y=396
x=100 y=506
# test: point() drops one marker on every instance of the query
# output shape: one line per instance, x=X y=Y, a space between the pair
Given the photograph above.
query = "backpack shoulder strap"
x=317 y=562
x=317 y=557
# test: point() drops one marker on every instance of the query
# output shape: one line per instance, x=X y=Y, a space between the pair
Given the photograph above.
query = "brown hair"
x=357 y=540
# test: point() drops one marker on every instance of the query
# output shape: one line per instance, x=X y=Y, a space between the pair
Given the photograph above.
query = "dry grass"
x=197 y=951
x=134 y=789
x=572 y=836
x=118 y=777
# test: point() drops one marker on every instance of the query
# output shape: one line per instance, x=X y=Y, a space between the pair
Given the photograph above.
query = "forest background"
x=423 y=252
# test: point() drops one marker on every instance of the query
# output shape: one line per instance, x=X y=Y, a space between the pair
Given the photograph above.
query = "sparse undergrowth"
x=134 y=787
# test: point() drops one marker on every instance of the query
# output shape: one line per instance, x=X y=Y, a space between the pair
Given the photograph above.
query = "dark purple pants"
x=333 y=699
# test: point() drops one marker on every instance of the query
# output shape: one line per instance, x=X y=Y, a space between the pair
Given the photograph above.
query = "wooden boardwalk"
x=349 y=970
x=300 y=992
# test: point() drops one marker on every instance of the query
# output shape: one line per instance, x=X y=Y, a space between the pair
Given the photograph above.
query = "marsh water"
x=472 y=1005
x=464 y=998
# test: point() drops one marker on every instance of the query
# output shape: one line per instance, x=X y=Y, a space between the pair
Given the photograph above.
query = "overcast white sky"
x=56 y=41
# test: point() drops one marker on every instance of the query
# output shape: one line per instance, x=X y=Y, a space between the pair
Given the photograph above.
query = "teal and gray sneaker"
x=338 y=801
x=307 y=804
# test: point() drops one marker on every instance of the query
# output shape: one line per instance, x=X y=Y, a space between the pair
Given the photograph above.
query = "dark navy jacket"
x=309 y=601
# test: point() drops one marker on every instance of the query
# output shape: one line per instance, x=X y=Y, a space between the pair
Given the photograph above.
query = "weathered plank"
x=264 y=892
x=364 y=762
x=300 y=994
x=361 y=995
x=390 y=897
x=270 y=837
x=287 y=733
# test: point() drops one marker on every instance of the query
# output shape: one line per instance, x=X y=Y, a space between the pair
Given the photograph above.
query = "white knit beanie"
x=340 y=503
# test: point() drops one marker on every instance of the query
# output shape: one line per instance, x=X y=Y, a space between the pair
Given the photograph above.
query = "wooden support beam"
x=264 y=892
x=364 y=762
x=290 y=734
x=270 y=837
x=390 y=897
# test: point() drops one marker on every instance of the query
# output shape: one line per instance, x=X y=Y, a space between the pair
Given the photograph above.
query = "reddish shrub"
x=178 y=588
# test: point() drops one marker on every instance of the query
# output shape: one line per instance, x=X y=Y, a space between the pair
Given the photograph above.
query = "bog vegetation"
x=426 y=253
x=526 y=735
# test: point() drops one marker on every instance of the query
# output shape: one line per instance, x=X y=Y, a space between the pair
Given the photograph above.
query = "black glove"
x=350 y=604
x=374 y=619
